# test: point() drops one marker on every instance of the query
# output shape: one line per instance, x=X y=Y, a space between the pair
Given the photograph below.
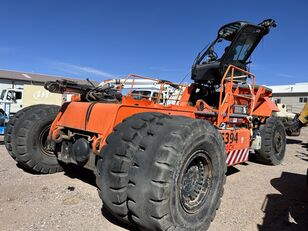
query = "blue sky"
x=106 y=39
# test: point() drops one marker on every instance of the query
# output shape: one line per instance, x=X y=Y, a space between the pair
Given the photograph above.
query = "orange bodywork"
x=96 y=120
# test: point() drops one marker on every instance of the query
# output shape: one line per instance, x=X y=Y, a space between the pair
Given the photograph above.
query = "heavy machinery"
x=283 y=114
x=158 y=166
x=293 y=127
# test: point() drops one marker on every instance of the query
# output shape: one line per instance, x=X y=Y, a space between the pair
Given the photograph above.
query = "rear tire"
x=273 y=142
x=176 y=180
x=12 y=125
x=26 y=139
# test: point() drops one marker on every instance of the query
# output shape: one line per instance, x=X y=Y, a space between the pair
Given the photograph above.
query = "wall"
x=38 y=95
x=5 y=83
x=291 y=100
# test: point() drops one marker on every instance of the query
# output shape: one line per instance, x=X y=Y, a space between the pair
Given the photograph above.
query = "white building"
x=293 y=96
x=15 y=80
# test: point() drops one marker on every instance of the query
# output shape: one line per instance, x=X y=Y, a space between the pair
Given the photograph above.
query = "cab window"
x=10 y=95
x=155 y=97
x=2 y=94
x=18 y=95
x=141 y=94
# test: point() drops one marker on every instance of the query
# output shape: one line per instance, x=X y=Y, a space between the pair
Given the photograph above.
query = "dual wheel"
x=162 y=172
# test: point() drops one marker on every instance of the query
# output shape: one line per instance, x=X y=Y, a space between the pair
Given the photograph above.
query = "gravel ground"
x=257 y=197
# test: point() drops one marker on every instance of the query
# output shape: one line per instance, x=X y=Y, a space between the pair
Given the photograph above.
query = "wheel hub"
x=190 y=181
x=43 y=144
x=278 y=142
x=195 y=181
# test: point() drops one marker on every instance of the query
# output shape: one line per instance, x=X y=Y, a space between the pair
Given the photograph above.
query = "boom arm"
x=293 y=128
x=66 y=86
x=88 y=93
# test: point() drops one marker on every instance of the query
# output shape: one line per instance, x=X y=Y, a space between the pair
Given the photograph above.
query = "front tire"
x=273 y=142
x=10 y=135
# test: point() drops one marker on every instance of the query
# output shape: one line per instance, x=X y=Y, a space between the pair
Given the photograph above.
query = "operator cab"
x=241 y=38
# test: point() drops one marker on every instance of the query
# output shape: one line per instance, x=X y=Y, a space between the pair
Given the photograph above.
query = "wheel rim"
x=278 y=142
x=195 y=181
x=43 y=141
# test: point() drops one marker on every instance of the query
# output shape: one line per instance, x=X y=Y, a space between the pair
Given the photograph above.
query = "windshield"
x=213 y=53
x=219 y=49
x=243 y=46
x=241 y=50
x=2 y=94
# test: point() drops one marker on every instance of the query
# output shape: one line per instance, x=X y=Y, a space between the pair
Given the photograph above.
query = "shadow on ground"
x=301 y=155
x=71 y=170
x=293 y=141
x=288 y=209
x=232 y=170
x=76 y=172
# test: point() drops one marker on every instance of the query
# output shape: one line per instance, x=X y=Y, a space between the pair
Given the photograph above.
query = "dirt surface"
x=257 y=197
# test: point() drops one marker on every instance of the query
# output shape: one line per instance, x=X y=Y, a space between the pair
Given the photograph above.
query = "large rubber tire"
x=177 y=178
x=116 y=159
x=273 y=142
x=11 y=131
x=29 y=135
